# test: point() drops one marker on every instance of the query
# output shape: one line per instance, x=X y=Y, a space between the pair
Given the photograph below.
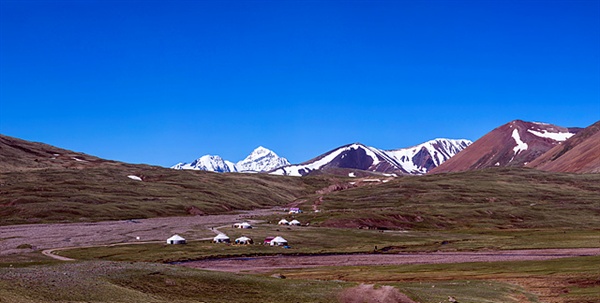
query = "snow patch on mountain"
x=554 y=136
x=520 y=144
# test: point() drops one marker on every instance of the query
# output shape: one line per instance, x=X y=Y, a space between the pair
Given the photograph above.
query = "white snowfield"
x=554 y=136
x=133 y=177
x=520 y=144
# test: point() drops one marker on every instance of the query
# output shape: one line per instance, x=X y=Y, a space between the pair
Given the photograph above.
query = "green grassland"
x=148 y=282
x=573 y=280
x=321 y=240
x=499 y=198
x=483 y=210
x=96 y=194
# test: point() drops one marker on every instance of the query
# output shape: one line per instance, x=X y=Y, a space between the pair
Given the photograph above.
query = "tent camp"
x=278 y=241
x=295 y=210
x=176 y=239
x=244 y=225
x=243 y=240
x=295 y=222
x=221 y=238
x=283 y=222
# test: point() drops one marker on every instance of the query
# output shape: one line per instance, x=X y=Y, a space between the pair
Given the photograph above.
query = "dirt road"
x=267 y=264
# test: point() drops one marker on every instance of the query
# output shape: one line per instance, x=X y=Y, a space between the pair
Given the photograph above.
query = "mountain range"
x=416 y=160
x=515 y=144
x=260 y=160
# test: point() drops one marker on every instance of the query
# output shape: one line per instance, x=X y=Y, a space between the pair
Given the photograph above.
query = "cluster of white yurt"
x=176 y=239
x=243 y=225
x=221 y=238
x=284 y=222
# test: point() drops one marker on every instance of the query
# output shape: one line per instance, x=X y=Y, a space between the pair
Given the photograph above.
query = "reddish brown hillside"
x=19 y=155
x=579 y=154
x=513 y=144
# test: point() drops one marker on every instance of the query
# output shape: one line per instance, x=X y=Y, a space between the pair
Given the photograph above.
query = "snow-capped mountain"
x=209 y=163
x=420 y=159
x=260 y=160
x=513 y=144
x=415 y=160
x=352 y=156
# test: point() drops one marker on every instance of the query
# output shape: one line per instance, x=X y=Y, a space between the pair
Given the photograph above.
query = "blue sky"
x=161 y=82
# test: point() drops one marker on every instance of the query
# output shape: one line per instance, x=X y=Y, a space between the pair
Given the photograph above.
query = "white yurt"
x=244 y=225
x=283 y=222
x=176 y=239
x=221 y=238
x=243 y=240
x=278 y=241
x=295 y=222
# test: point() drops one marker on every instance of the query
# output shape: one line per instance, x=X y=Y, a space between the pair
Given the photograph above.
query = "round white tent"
x=221 y=238
x=283 y=222
x=244 y=225
x=294 y=222
x=243 y=240
x=278 y=241
x=176 y=239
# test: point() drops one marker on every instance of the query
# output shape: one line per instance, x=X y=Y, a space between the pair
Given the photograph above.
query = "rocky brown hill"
x=511 y=145
x=578 y=154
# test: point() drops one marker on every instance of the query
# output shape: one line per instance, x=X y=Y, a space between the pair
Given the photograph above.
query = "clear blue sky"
x=161 y=82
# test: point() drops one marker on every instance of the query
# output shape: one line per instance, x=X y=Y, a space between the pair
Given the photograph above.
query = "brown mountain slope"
x=511 y=145
x=21 y=155
x=579 y=154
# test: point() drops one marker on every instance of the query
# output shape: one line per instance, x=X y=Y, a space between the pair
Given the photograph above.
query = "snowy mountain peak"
x=424 y=157
x=261 y=160
x=209 y=163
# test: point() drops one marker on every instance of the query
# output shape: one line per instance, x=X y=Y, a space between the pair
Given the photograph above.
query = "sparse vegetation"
x=493 y=209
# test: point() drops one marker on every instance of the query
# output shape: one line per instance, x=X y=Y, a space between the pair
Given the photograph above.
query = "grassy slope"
x=492 y=198
x=96 y=194
x=498 y=209
x=145 y=282
x=562 y=280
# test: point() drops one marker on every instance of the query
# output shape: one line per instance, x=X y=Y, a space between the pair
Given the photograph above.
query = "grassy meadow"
x=494 y=209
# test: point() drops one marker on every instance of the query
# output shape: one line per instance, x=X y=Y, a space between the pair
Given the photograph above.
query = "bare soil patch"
x=366 y=293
